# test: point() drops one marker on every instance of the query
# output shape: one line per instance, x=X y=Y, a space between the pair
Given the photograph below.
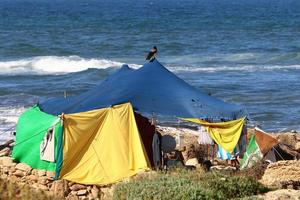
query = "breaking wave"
x=55 y=65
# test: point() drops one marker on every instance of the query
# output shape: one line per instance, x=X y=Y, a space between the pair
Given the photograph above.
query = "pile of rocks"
x=22 y=174
x=283 y=174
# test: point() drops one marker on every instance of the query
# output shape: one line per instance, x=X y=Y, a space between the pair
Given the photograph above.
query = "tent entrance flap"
x=102 y=146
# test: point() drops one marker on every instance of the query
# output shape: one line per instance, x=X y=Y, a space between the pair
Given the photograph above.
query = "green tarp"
x=31 y=129
x=252 y=155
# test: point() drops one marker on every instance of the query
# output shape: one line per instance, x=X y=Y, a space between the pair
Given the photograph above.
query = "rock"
x=43 y=181
x=297 y=146
x=19 y=173
x=41 y=172
x=107 y=192
x=50 y=174
x=77 y=187
x=70 y=183
x=81 y=192
x=5 y=170
x=6 y=161
x=192 y=162
x=43 y=187
x=72 y=197
x=32 y=177
x=282 y=194
x=282 y=174
x=24 y=167
x=5 y=152
x=4 y=176
x=58 y=188
x=12 y=170
x=95 y=192
x=13 y=179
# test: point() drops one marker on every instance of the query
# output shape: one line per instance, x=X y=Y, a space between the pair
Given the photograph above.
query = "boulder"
x=282 y=194
x=58 y=188
x=5 y=152
x=81 y=192
x=41 y=172
x=32 y=177
x=24 y=167
x=19 y=173
x=77 y=187
x=282 y=174
x=6 y=161
x=72 y=197
x=297 y=146
x=95 y=192
x=50 y=174
x=43 y=187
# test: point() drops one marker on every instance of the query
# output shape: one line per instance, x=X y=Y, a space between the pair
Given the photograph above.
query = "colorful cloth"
x=260 y=144
x=224 y=155
x=225 y=134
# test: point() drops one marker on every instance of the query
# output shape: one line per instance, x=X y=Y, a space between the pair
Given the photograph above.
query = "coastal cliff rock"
x=283 y=174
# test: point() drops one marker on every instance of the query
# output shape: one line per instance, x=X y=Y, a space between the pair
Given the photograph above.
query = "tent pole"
x=278 y=153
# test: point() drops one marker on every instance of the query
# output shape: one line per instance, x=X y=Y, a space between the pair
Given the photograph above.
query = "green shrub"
x=184 y=184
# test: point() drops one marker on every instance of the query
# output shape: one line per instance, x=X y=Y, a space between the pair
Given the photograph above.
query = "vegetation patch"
x=13 y=191
x=183 y=184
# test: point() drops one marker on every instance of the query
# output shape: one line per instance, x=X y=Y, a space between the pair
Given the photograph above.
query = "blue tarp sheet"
x=150 y=89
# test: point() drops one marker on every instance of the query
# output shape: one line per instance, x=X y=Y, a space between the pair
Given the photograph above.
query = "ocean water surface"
x=244 y=52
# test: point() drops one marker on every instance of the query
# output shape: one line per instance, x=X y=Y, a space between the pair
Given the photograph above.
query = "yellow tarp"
x=102 y=146
x=226 y=134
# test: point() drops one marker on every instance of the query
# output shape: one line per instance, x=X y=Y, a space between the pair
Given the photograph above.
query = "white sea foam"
x=245 y=68
x=60 y=65
x=55 y=65
x=8 y=120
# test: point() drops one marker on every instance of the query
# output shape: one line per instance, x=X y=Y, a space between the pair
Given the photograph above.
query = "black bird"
x=151 y=55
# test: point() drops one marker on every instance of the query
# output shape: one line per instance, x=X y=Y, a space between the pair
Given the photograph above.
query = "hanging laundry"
x=47 y=146
x=204 y=137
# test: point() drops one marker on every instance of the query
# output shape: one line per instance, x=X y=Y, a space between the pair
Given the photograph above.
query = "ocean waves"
x=42 y=65
x=247 y=62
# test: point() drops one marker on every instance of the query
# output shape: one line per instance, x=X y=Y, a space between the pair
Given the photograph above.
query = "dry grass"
x=13 y=191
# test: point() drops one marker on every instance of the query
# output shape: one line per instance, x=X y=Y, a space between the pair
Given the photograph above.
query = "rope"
x=278 y=153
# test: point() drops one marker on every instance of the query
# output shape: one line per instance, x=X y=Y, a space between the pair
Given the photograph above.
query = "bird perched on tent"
x=152 y=53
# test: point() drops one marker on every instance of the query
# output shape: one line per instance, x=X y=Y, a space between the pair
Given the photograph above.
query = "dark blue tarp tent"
x=150 y=89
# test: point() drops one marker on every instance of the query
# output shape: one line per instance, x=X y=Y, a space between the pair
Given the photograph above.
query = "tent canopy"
x=150 y=89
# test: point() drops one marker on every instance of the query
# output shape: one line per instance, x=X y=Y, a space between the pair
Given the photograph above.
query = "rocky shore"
x=283 y=176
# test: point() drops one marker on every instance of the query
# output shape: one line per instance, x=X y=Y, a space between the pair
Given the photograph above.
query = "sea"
x=245 y=52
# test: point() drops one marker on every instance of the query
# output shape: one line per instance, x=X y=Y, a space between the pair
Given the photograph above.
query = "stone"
x=14 y=179
x=43 y=187
x=72 y=197
x=24 y=167
x=70 y=183
x=6 y=161
x=5 y=152
x=58 y=188
x=4 y=176
x=282 y=174
x=50 y=174
x=32 y=177
x=107 y=192
x=192 y=162
x=12 y=170
x=41 y=172
x=43 y=181
x=77 y=187
x=297 y=146
x=81 y=192
x=95 y=192
x=19 y=173
x=5 y=170
x=282 y=194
